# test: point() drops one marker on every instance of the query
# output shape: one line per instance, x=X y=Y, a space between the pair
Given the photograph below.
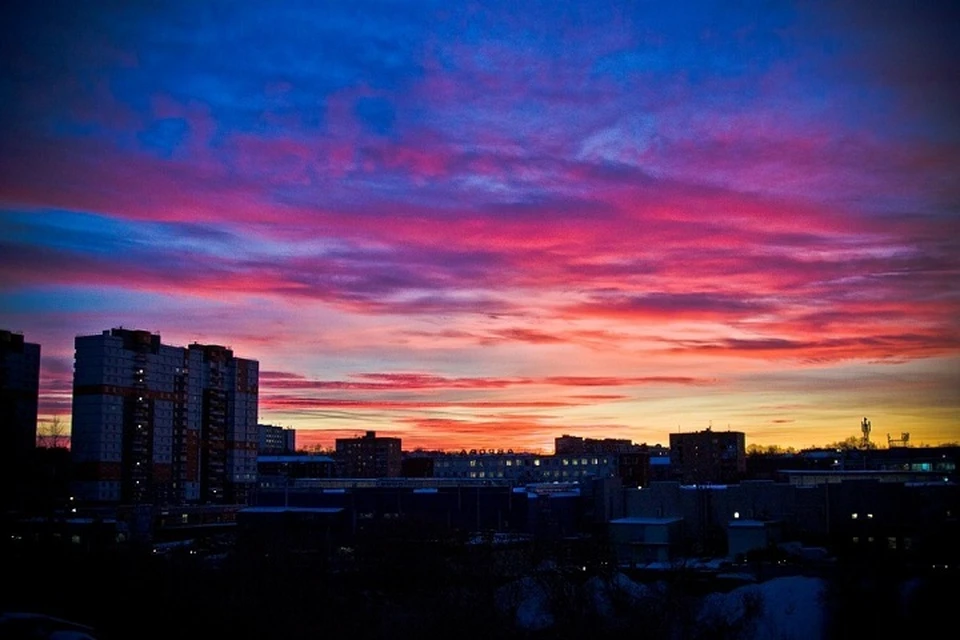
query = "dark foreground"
x=442 y=589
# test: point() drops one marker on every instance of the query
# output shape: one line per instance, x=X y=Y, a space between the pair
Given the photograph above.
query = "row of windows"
x=892 y=542
x=545 y=474
x=519 y=462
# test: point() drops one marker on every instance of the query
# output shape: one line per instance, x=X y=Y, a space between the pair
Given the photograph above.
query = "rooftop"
x=647 y=521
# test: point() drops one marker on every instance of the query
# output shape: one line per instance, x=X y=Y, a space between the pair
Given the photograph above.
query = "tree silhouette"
x=52 y=434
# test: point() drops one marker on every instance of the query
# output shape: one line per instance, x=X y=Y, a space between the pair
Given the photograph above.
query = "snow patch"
x=789 y=608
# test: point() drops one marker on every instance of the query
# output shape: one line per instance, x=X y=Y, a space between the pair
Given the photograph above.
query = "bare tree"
x=52 y=434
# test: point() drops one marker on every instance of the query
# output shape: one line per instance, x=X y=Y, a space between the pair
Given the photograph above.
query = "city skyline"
x=472 y=224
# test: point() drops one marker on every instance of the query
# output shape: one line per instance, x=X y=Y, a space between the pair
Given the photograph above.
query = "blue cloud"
x=377 y=114
x=164 y=136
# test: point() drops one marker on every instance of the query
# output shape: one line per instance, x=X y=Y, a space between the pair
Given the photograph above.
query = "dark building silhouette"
x=575 y=445
x=633 y=468
x=159 y=424
x=279 y=471
x=369 y=456
x=851 y=514
x=704 y=457
x=19 y=392
x=277 y=441
x=416 y=465
x=426 y=506
x=939 y=463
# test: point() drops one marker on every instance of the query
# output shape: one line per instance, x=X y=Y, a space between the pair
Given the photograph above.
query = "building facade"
x=161 y=424
x=704 y=457
x=521 y=468
x=277 y=441
x=283 y=470
x=575 y=445
x=19 y=392
x=369 y=456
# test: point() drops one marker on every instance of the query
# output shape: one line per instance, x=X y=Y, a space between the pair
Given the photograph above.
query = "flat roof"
x=289 y=459
x=858 y=472
x=705 y=485
x=554 y=494
x=265 y=509
x=751 y=524
x=647 y=521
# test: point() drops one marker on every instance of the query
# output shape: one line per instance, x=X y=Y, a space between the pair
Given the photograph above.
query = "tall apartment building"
x=709 y=457
x=369 y=456
x=19 y=392
x=154 y=423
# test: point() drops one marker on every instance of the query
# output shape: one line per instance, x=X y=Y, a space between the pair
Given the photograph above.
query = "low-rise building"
x=709 y=457
x=369 y=456
x=277 y=441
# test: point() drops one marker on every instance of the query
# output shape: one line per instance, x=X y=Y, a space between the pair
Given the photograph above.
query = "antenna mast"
x=865 y=429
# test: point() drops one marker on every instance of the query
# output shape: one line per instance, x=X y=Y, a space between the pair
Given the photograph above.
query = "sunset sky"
x=489 y=224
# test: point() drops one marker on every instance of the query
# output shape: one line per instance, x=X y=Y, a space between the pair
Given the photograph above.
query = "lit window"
x=853 y=516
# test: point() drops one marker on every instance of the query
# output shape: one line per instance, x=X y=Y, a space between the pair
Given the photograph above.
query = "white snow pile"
x=607 y=596
x=789 y=608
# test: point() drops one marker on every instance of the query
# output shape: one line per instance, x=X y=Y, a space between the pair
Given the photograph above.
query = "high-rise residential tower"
x=154 y=423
